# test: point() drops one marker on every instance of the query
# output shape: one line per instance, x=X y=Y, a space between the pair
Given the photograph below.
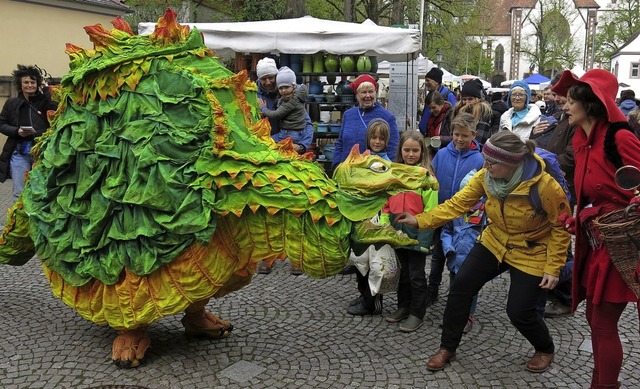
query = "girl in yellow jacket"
x=531 y=245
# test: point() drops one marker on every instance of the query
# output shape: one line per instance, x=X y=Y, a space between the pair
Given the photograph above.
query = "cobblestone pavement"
x=291 y=332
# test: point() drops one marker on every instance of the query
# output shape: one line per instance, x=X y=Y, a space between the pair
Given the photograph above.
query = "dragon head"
x=365 y=182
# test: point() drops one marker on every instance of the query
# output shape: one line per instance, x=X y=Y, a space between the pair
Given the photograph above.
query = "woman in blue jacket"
x=356 y=120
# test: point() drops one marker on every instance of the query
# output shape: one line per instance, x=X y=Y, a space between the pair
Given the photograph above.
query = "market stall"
x=307 y=35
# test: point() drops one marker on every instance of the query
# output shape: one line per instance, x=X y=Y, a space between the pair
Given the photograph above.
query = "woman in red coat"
x=602 y=143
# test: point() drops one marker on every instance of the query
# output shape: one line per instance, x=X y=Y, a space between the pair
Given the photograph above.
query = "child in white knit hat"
x=290 y=108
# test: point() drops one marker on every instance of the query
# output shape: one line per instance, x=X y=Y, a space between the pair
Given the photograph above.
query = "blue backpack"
x=553 y=168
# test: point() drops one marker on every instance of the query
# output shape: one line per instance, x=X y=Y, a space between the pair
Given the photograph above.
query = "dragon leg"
x=129 y=347
x=199 y=322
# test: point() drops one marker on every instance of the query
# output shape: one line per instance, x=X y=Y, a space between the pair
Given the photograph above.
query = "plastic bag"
x=361 y=262
x=384 y=270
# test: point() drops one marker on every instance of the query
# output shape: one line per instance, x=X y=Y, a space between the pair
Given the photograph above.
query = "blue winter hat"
x=527 y=91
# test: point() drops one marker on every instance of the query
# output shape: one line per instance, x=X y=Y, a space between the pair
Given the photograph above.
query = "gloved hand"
x=635 y=200
x=568 y=222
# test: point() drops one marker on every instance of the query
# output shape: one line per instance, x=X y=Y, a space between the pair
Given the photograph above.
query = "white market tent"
x=306 y=35
x=423 y=65
x=447 y=76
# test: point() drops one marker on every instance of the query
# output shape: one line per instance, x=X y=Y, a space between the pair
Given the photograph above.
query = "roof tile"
x=111 y=4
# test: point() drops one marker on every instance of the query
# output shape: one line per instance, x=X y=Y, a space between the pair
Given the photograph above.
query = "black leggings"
x=480 y=267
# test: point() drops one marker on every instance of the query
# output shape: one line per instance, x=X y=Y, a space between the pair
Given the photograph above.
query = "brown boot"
x=129 y=347
x=440 y=359
x=540 y=362
x=197 y=321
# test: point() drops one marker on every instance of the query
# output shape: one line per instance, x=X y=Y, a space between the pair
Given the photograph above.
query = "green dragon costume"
x=158 y=187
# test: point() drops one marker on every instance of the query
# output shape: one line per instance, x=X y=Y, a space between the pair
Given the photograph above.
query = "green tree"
x=615 y=27
x=458 y=30
x=552 y=46
x=151 y=10
x=256 y=10
x=382 y=12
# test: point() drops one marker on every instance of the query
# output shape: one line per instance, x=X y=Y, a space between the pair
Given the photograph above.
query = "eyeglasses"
x=518 y=95
x=490 y=164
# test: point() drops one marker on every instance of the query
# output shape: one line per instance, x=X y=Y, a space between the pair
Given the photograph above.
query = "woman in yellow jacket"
x=531 y=244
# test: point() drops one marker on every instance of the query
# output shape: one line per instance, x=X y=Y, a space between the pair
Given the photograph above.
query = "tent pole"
x=421 y=22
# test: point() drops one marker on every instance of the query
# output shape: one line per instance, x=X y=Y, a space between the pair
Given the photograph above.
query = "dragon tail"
x=16 y=246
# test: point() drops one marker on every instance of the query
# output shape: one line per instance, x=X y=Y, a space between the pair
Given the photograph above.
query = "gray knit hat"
x=285 y=77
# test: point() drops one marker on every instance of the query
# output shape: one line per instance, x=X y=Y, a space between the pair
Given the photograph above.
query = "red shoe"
x=440 y=359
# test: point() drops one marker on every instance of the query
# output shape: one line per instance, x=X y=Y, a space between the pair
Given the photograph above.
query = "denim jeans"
x=19 y=165
x=303 y=137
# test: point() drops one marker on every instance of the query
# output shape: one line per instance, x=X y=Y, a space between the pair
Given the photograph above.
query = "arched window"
x=498 y=61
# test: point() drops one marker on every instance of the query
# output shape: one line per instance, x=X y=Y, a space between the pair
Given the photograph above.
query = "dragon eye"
x=378 y=167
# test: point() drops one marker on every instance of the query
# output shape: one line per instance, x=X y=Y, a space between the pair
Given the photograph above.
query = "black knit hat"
x=435 y=74
x=472 y=88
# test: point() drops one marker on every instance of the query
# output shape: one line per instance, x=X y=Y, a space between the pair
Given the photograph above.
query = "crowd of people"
x=513 y=190
x=501 y=206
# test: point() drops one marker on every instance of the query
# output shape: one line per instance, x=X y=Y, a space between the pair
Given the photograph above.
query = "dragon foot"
x=205 y=324
x=129 y=347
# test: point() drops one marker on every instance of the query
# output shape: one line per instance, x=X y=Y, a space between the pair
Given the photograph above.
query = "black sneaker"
x=556 y=309
x=359 y=310
x=377 y=304
x=349 y=269
x=355 y=301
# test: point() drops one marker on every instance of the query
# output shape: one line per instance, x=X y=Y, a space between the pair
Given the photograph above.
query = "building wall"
x=575 y=18
x=37 y=34
x=621 y=65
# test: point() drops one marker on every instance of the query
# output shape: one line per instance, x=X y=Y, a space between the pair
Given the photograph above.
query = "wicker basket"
x=618 y=231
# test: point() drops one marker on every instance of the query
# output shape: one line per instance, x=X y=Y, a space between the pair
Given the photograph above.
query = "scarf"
x=517 y=117
x=501 y=188
x=435 y=122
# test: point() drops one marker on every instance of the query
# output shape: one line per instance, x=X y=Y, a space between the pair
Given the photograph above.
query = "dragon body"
x=158 y=187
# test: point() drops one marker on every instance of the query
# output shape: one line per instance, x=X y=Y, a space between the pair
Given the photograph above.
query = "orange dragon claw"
x=129 y=348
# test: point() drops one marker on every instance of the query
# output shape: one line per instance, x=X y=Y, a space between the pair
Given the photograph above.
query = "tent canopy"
x=306 y=35
x=422 y=62
x=467 y=77
x=447 y=76
x=536 y=79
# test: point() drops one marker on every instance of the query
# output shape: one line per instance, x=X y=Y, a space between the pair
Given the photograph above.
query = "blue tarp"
x=536 y=79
